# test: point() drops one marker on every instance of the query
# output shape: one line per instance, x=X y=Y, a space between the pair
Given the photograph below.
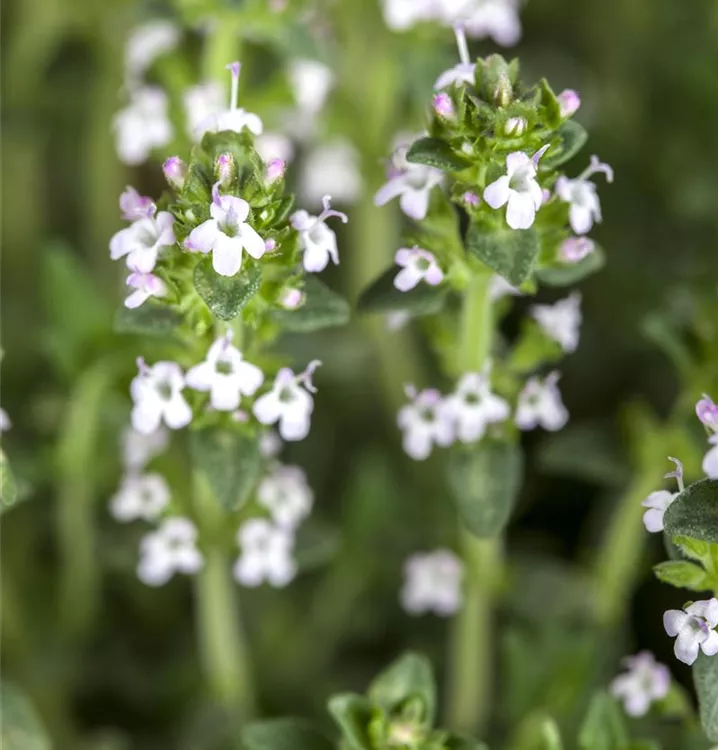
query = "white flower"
x=461 y=73
x=417 y=265
x=645 y=682
x=694 y=629
x=710 y=460
x=234 y=118
x=317 y=241
x=657 y=504
x=135 y=206
x=574 y=249
x=225 y=375
x=145 y=44
x=518 y=190
x=274 y=146
x=497 y=19
x=142 y=126
x=412 y=185
x=226 y=234
x=146 y=285
x=540 y=405
x=270 y=444
x=267 y=554
x=139 y=449
x=289 y=403
x=286 y=495
x=142 y=241
x=311 y=82
x=425 y=421
x=331 y=168
x=144 y=496
x=561 y=321
x=474 y=407
x=432 y=582
x=202 y=102
x=581 y=194
x=395 y=321
x=499 y=288
x=401 y=15
x=5 y=423
x=157 y=396
x=169 y=550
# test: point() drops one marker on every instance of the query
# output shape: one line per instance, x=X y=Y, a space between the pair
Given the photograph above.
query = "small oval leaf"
x=683 y=575
x=353 y=714
x=694 y=513
x=436 y=153
x=565 y=274
x=511 y=253
x=573 y=138
x=485 y=481
x=382 y=296
x=226 y=295
x=410 y=676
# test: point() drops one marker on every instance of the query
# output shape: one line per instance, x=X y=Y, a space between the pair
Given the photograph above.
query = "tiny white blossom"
x=331 y=168
x=138 y=449
x=518 y=190
x=412 y=184
x=645 y=682
x=135 y=206
x=289 y=403
x=432 y=582
x=169 y=550
x=226 y=234
x=145 y=44
x=270 y=444
x=146 y=285
x=561 y=321
x=416 y=265
x=5 y=423
x=140 y=496
x=286 y=495
x=225 y=375
x=274 y=146
x=143 y=125
x=474 y=407
x=465 y=71
x=311 y=82
x=267 y=554
x=710 y=460
x=317 y=242
x=235 y=118
x=202 y=102
x=657 y=504
x=157 y=396
x=426 y=421
x=143 y=241
x=540 y=405
x=693 y=629
x=581 y=194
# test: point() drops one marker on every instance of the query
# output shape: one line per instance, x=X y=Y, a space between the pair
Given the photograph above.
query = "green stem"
x=471 y=646
x=223 y=46
x=222 y=646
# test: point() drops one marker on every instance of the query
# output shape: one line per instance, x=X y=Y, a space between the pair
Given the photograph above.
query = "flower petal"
x=497 y=193
x=521 y=212
x=202 y=238
x=227 y=255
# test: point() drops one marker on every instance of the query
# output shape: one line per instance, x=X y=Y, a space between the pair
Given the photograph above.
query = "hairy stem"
x=471 y=646
x=222 y=646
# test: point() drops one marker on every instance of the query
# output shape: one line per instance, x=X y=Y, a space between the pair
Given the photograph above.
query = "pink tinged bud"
x=515 y=126
x=135 y=206
x=270 y=245
x=575 y=249
x=225 y=169
x=471 y=199
x=504 y=91
x=707 y=412
x=175 y=171
x=291 y=299
x=545 y=196
x=275 y=170
x=569 y=101
x=444 y=107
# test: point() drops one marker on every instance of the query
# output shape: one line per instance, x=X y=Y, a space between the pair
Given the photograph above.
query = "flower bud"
x=444 y=107
x=275 y=170
x=471 y=199
x=502 y=92
x=495 y=80
x=175 y=171
x=291 y=299
x=270 y=245
x=569 y=101
x=515 y=126
x=225 y=169
x=575 y=249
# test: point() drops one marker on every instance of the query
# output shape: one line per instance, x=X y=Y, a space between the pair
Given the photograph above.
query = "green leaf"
x=410 y=676
x=566 y=274
x=383 y=297
x=148 y=319
x=510 y=252
x=533 y=348
x=694 y=513
x=552 y=107
x=8 y=487
x=353 y=713
x=230 y=463
x=461 y=742
x=226 y=295
x=284 y=734
x=604 y=727
x=21 y=728
x=684 y=575
x=322 y=308
x=436 y=153
x=705 y=678
x=485 y=481
x=572 y=139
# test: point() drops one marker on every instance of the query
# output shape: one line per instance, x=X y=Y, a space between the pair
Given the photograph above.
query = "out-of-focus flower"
x=311 y=83
x=157 y=396
x=581 y=194
x=202 y=102
x=416 y=265
x=286 y=495
x=272 y=146
x=432 y=583
x=710 y=460
x=135 y=206
x=140 y=496
x=693 y=628
x=267 y=554
x=146 y=285
x=142 y=125
x=561 y=321
x=425 y=421
x=645 y=682
x=317 y=241
x=540 y=405
x=331 y=168
x=474 y=407
x=575 y=249
x=145 y=44
x=138 y=449
x=413 y=186
x=143 y=241
x=169 y=550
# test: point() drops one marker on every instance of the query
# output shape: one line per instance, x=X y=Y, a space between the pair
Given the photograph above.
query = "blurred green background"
x=120 y=670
